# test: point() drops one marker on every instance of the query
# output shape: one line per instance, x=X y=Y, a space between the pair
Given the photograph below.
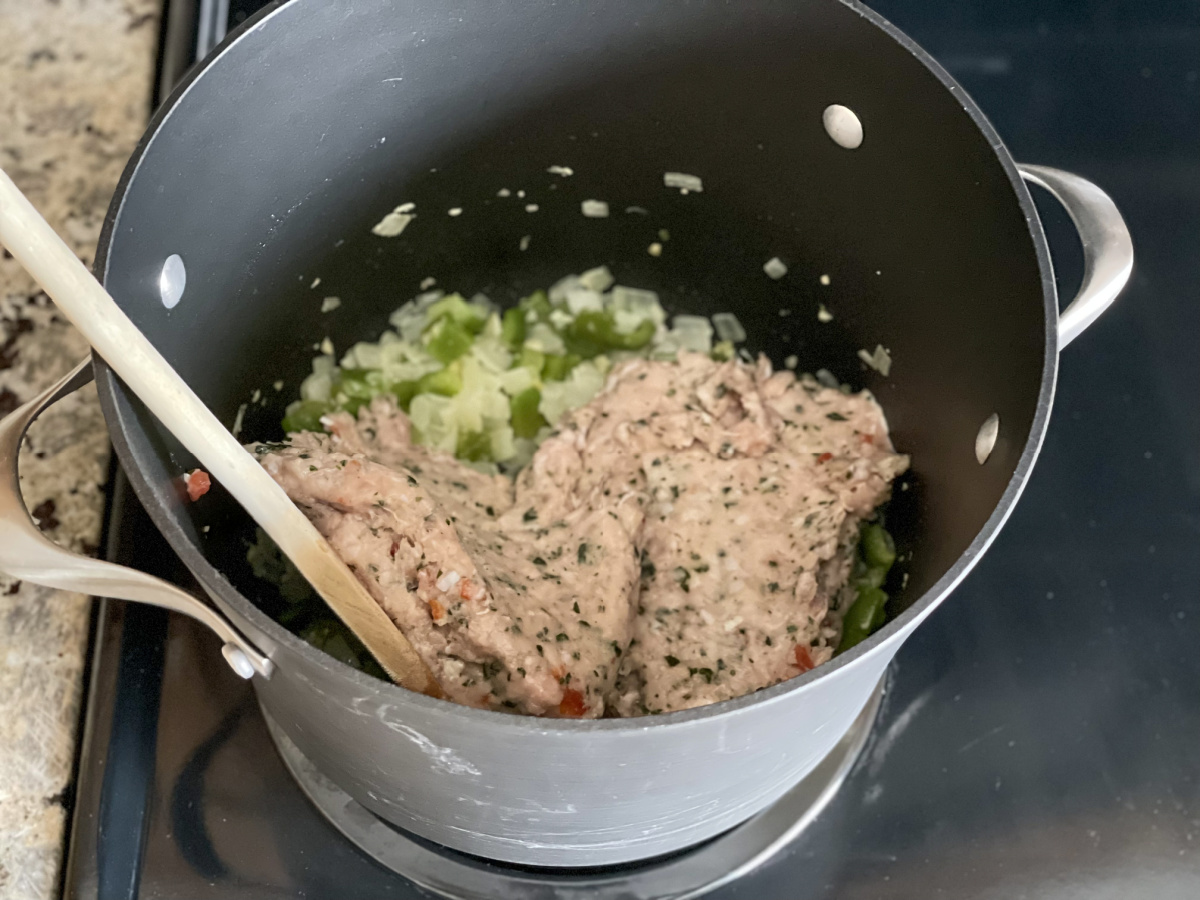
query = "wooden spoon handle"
x=84 y=301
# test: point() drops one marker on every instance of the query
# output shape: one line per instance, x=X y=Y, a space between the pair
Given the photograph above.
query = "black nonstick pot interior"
x=268 y=170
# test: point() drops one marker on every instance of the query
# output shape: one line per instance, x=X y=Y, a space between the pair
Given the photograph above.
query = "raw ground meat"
x=684 y=538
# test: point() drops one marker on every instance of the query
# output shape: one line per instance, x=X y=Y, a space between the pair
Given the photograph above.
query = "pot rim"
x=887 y=639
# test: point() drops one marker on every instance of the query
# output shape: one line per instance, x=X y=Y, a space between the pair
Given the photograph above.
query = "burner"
x=686 y=874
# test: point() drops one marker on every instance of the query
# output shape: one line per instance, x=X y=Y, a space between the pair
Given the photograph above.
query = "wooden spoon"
x=93 y=311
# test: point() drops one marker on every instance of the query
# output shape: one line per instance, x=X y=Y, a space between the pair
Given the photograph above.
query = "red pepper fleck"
x=804 y=660
x=572 y=704
x=868 y=438
x=436 y=610
x=824 y=457
x=392 y=550
x=198 y=484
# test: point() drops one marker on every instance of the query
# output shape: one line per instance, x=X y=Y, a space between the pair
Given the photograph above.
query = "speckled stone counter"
x=75 y=80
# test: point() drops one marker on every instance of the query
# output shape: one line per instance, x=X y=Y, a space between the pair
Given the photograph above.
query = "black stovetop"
x=1040 y=735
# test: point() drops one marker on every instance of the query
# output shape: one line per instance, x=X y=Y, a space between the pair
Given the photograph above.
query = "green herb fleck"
x=683 y=576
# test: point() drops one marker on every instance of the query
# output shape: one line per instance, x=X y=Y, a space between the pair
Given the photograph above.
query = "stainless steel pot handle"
x=1107 y=247
x=25 y=553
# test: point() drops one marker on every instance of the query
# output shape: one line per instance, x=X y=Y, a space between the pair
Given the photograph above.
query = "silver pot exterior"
x=272 y=155
x=556 y=792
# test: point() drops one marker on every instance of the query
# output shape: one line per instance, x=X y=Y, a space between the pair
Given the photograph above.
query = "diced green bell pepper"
x=305 y=415
x=526 y=420
x=404 y=392
x=722 y=351
x=447 y=382
x=474 y=446
x=470 y=318
x=448 y=340
x=539 y=303
x=558 y=366
x=863 y=575
x=594 y=332
x=512 y=328
x=877 y=547
x=866 y=614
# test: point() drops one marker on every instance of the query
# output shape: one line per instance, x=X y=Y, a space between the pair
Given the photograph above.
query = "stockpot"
x=821 y=135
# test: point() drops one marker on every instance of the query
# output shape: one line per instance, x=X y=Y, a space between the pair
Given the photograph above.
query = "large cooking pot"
x=266 y=170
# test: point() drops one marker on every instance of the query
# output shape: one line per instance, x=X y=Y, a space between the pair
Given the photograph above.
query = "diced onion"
x=545 y=339
x=515 y=380
x=880 y=360
x=643 y=304
x=827 y=379
x=580 y=386
x=693 y=333
x=394 y=223
x=317 y=386
x=728 y=327
x=683 y=181
x=598 y=279
x=775 y=268
x=558 y=291
x=363 y=356
x=502 y=442
x=581 y=299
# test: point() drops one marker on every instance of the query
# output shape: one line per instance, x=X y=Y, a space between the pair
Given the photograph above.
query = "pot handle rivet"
x=238 y=661
x=172 y=281
x=843 y=126
x=1107 y=246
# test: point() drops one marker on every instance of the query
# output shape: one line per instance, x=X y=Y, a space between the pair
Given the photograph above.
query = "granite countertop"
x=75 y=82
